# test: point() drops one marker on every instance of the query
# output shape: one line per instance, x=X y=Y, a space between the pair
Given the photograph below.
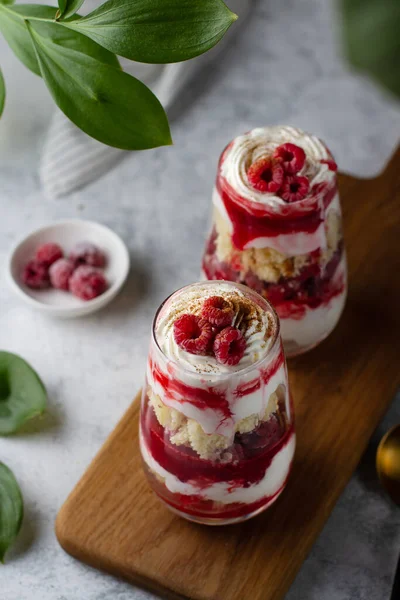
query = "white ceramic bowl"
x=58 y=303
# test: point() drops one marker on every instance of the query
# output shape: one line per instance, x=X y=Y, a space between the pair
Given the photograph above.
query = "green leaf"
x=67 y=8
x=371 y=33
x=157 y=31
x=11 y=509
x=106 y=103
x=57 y=35
x=2 y=93
x=22 y=393
x=14 y=29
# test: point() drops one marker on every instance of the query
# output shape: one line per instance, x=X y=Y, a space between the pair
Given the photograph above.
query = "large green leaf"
x=67 y=8
x=157 y=31
x=11 y=509
x=60 y=36
x=106 y=103
x=371 y=32
x=2 y=93
x=14 y=29
x=22 y=393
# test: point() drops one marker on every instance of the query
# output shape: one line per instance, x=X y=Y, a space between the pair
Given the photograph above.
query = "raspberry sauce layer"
x=292 y=296
x=251 y=221
x=252 y=453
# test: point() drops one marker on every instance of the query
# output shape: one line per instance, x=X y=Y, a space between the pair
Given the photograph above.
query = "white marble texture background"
x=283 y=67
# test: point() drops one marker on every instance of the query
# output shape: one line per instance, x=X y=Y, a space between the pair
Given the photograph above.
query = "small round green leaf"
x=22 y=393
x=157 y=31
x=11 y=509
x=2 y=93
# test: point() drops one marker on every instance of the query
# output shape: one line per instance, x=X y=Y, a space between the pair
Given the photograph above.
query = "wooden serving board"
x=341 y=390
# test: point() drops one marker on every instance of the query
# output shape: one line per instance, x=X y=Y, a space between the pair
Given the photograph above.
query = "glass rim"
x=219 y=376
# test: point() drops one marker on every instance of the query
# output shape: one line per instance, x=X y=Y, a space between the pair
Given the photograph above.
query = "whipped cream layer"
x=261 y=143
x=257 y=326
x=317 y=323
x=270 y=485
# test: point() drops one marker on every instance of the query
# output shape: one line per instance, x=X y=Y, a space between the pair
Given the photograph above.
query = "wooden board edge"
x=62 y=517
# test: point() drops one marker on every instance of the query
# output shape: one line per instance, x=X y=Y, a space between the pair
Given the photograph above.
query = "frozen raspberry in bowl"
x=216 y=424
x=60 y=273
x=49 y=253
x=54 y=299
x=87 y=283
x=36 y=275
x=86 y=253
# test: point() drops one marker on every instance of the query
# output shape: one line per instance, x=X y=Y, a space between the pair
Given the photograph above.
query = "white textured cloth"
x=72 y=159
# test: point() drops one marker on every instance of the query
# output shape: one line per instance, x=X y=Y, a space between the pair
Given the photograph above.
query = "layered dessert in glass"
x=277 y=228
x=216 y=426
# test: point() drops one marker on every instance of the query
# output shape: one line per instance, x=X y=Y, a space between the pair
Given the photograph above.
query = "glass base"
x=292 y=349
x=217 y=521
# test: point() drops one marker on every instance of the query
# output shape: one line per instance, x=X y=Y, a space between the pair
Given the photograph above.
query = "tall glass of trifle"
x=277 y=228
x=216 y=426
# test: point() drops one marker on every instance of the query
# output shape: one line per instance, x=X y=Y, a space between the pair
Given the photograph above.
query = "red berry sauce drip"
x=201 y=398
x=250 y=222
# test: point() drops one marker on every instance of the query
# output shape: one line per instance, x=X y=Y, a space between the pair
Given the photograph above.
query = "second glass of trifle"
x=216 y=426
x=277 y=228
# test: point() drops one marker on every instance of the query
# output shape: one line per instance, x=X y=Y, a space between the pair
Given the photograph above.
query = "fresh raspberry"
x=86 y=253
x=332 y=166
x=294 y=188
x=87 y=282
x=36 y=275
x=217 y=311
x=48 y=253
x=291 y=157
x=229 y=346
x=60 y=273
x=265 y=175
x=193 y=334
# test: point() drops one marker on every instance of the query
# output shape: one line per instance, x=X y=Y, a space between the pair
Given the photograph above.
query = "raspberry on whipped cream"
x=216 y=427
x=285 y=241
x=193 y=334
